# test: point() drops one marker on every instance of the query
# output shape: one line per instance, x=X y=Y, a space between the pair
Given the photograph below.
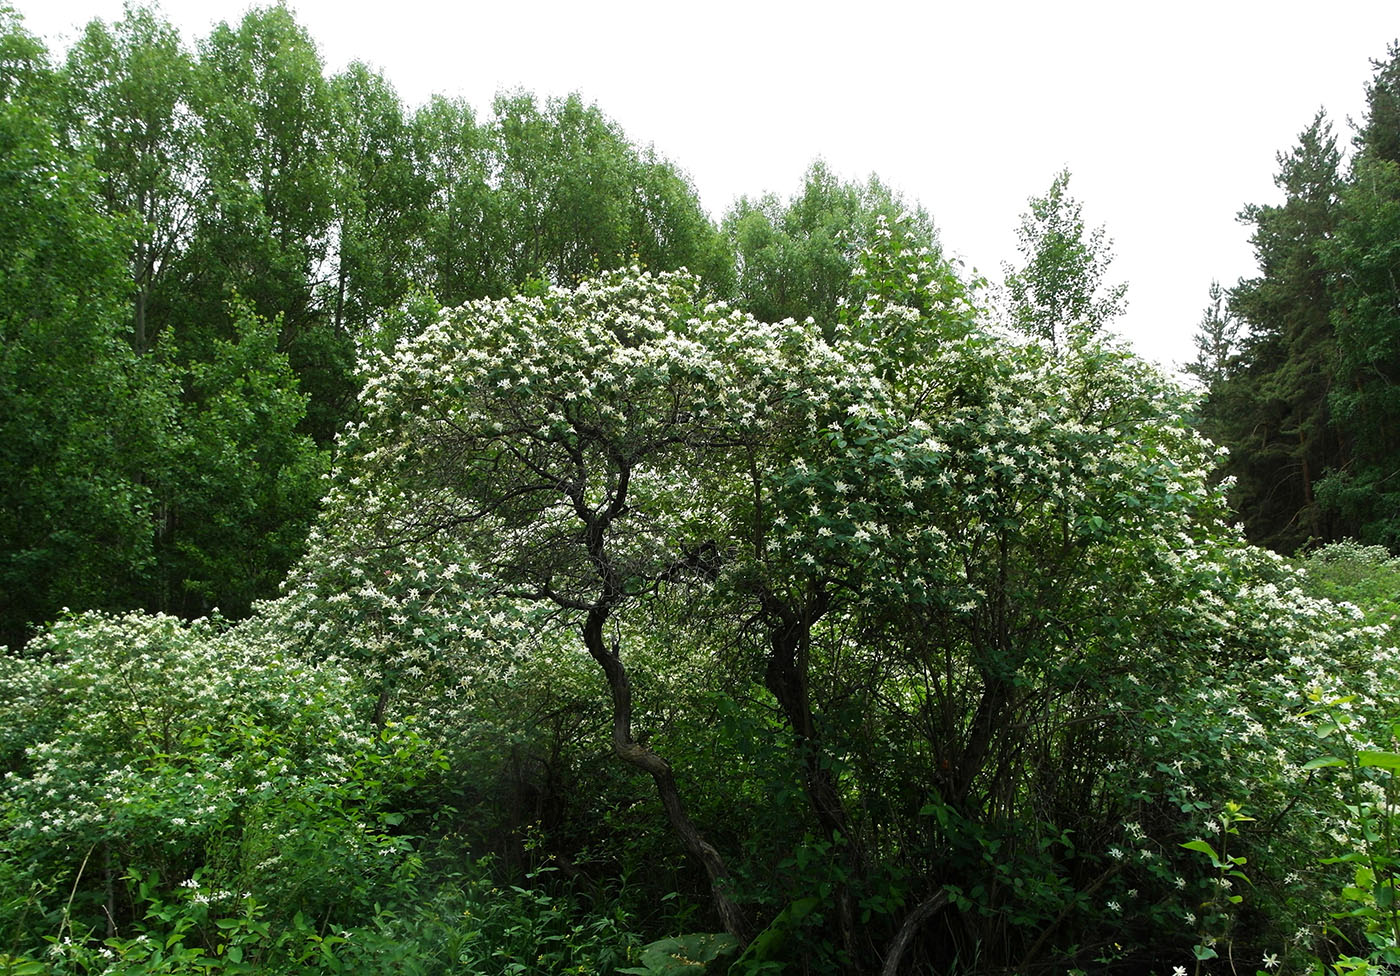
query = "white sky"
x=1169 y=116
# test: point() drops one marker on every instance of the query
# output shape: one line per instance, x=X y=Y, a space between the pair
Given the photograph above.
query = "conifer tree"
x=1273 y=413
x=1363 y=258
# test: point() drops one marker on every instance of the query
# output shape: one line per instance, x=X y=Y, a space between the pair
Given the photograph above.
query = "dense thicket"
x=796 y=612
x=1303 y=393
x=630 y=616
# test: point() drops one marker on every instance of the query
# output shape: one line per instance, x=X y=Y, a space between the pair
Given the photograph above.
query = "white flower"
x=1270 y=960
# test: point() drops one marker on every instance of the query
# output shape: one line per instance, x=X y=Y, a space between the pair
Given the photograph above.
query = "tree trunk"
x=786 y=677
x=997 y=696
x=340 y=293
x=138 y=338
x=659 y=769
x=921 y=914
x=1309 y=502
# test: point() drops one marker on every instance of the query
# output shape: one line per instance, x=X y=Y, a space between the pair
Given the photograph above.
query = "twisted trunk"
x=638 y=755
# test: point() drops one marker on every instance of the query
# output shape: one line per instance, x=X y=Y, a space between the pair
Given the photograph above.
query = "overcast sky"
x=1169 y=116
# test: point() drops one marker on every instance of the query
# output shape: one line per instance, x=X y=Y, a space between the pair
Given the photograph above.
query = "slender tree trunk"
x=1309 y=502
x=138 y=334
x=340 y=302
x=340 y=284
x=109 y=884
x=912 y=922
x=141 y=277
x=786 y=678
x=381 y=705
x=997 y=695
x=638 y=755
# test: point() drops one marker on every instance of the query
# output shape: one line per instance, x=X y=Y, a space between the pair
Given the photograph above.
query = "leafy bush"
x=167 y=780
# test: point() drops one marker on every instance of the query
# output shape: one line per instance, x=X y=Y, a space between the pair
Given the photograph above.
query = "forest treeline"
x=1302 y=362
x=198 y=242
x=606 y=589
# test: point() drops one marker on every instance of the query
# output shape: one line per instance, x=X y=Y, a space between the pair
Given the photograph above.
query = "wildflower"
x=1270 y=960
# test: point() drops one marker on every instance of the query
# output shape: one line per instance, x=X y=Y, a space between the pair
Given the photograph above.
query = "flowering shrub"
x=935 y=646
x=1015 y=656
x=159 y=772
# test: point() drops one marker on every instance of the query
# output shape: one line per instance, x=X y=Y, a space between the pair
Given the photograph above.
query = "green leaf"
x=690 y=953
x=1382 y=760
x=1203 y=847
x=1323 y=761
